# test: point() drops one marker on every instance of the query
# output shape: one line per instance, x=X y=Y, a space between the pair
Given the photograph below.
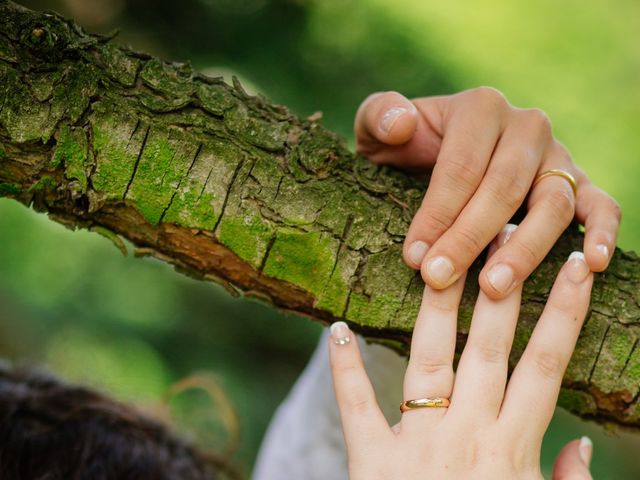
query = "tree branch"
x=231 y=188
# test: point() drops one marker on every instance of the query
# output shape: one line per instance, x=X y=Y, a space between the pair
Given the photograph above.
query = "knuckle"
x=562 y=205
x=489 y=97
x=434 y=220
x=563 y=310
x=524 y=251
x=492 y=352
x=539 y=120
x=548 y=364
x=470 y=239
x=357 y=403
x=463 y=172
x=346 y=370
x=441 y=304
x=508 y=187
x=431 y=366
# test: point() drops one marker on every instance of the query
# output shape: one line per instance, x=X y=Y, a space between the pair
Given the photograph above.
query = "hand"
x=485 y=156
x=491 y=429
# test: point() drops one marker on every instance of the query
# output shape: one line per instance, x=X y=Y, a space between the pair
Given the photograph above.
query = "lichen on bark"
x=229 y=187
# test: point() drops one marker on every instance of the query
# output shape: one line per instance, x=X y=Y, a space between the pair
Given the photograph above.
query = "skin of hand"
x=492 y=429
x=485 y=155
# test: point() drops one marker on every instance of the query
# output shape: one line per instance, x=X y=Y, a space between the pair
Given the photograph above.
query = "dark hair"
x=50 y=430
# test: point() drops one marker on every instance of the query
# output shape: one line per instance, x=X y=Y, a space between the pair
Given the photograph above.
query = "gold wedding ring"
x=560 y=173
x=436 y=402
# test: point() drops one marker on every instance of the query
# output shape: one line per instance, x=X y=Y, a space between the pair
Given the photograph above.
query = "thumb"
x=573 y=461
x=384 y=119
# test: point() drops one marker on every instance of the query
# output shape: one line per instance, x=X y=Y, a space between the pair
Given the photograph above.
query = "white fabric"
x=304 y=440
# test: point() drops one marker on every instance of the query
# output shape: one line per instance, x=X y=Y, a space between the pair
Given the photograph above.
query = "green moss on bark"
x=579 y=402
x=9 y=189
x=117 y=141
x=71 y=152
x=247 y=236
x=301 y=258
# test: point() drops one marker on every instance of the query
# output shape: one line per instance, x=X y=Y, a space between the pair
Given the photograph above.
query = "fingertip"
x=388 y=118
x=397 y=124
x=576 y=269
x=439 y=272
x=497 y=278
x=573 y=461
x=598 y=255
x=340 y=333
x=586 y=450
x=414 y=253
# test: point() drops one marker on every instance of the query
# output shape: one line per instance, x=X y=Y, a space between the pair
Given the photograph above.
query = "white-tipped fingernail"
x=586 y=450
x=603 y=250
x=577 y=269
x=340 y=333
x=390 y=117
x=416 y=252
x=505 y=233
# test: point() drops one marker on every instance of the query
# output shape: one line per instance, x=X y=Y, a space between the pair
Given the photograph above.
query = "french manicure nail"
x=505 y=233
x=500 y=276
x=603 y=249
x=577 y=269
x=390 y=117
x=416 y=252
x=440 y=270
x=340 y=333
x=586 y=450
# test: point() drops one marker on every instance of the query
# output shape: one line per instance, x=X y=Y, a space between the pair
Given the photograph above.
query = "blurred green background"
x=133 y=327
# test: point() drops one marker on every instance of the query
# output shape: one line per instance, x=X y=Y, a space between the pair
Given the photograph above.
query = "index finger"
x=472 y=130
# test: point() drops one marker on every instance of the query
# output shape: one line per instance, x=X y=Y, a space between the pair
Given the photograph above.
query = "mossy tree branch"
x=231 y=188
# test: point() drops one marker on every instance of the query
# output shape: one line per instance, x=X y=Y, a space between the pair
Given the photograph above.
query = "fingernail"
x=603 y=249
x=416 y=252
x=577 y=269
x=500 y=276
x=390 y=117
x=340 y=333
x=586 y=450
x=505 y=233
x=440 y=270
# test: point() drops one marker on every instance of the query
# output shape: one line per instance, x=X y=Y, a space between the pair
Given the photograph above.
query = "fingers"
x=573 y=461
x=430 y=369
x=535 y=383
x=471 y=129
x=500 y=193
x=482 y=371
x=551 y=209
x=600 y=214
x=362 y=419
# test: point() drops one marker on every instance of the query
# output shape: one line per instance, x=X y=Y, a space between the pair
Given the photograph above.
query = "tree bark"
x=231 y=188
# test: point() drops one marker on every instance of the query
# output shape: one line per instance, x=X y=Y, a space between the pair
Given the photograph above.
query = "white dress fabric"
x=304 y=440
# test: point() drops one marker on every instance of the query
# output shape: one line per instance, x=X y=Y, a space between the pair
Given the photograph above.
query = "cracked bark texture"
x=231 y=188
